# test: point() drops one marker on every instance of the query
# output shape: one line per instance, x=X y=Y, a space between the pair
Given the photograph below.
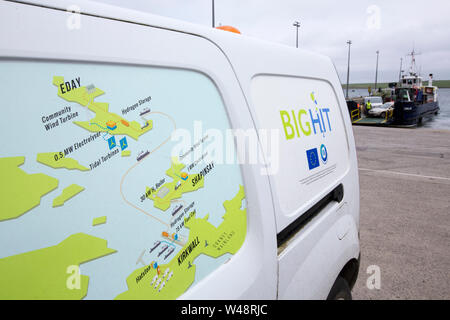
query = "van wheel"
x=340 y=290
x=383 y=115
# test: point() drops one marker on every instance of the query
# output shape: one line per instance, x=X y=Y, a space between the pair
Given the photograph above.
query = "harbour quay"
x=404 y=179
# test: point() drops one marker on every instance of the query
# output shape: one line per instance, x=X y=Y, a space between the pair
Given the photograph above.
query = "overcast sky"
x=392 y=27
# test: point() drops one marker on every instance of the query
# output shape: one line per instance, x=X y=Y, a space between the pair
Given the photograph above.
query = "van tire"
x=340 y=290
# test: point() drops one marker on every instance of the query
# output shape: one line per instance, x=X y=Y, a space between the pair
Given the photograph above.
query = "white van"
x=199 y=214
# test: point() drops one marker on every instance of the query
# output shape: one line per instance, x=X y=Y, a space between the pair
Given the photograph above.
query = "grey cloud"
x=326 y=25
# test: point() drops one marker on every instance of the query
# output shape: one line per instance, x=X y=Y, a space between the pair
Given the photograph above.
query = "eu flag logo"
x=313 y=158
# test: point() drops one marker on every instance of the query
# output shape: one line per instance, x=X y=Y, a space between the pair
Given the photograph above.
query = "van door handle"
x=337 y=194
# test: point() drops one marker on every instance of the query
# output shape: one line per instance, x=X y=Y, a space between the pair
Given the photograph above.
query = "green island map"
x=94 y=202
x=58 y=160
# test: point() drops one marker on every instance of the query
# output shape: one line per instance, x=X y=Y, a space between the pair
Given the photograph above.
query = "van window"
x=110 y=167
x=313 y=146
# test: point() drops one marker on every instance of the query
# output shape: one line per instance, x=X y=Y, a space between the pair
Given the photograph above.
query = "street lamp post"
x=349 y=42
x=376 y=71
x=213 y=15
x=297 y=25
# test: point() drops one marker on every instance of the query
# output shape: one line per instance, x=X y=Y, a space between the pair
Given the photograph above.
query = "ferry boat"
x=164 y=248
x=178 y=208
x=142 y=155
x=144 y=111
x=155 y=245
x=169 y=252
x=413 y=100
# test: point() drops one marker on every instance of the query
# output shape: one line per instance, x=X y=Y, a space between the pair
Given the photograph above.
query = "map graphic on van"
x=93 y=204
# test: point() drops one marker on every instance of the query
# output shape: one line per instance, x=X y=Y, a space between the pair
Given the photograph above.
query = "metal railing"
x=389 y=114
x=355 y=114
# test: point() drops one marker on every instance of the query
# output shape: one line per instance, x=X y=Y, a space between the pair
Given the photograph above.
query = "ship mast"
x=412 y=68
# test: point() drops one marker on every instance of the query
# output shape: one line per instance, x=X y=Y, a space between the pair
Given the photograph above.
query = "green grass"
x=438 y=83
x=441 y=83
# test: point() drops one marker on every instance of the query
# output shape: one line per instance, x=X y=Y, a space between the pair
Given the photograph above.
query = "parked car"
x=381 y=111
x=375 y=101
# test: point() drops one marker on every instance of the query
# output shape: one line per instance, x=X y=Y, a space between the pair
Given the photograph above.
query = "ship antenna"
x=412 y=69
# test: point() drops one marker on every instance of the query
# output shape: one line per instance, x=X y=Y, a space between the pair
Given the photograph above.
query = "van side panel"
x=105 y=44
x=315 y=256
x=313 y=152
x=311 y=259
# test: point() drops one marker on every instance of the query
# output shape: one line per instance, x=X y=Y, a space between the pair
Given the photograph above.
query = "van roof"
x=248 y=56
x=124 y=14
x=135 y=16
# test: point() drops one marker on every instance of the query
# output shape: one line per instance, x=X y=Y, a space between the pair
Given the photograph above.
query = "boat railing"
x=355 y=114
x=389 y=114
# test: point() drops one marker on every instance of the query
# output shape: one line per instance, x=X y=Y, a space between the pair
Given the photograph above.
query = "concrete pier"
x=405 y=212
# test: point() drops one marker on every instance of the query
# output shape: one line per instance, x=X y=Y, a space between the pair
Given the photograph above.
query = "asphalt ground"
x=404 y=179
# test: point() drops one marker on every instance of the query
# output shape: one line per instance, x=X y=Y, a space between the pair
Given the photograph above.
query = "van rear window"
x=107 y=186
x=313 y=146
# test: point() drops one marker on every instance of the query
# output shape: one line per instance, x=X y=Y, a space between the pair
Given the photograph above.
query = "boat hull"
x=409 y=113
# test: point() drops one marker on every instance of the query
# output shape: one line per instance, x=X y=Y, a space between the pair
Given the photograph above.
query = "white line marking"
x=405 y=174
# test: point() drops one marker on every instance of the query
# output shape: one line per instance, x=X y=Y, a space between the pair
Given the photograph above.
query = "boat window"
x=403 y=95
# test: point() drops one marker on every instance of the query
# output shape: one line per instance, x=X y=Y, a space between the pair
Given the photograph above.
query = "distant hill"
x=438 y=83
